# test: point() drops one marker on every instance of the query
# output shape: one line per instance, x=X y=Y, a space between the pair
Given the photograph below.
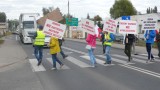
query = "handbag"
x=88 y=47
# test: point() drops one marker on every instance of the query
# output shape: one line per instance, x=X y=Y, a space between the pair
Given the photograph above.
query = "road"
x=77 y=74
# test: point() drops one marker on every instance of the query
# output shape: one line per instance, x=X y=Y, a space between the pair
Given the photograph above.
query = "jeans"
x=107 y=52
x=149 y=47
x=38 y=52
x=158 y=46
x=54 y=58
x=91 y=55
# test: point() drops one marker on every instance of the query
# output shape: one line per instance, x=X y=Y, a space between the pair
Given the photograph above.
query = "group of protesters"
x=107 y=39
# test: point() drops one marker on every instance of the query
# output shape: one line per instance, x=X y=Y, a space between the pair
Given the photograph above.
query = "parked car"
x=119 y=37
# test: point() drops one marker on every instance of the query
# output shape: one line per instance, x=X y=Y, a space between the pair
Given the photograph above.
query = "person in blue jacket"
x=150 y=35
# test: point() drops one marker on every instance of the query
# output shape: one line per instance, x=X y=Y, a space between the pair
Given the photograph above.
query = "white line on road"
x=101 y=62
x=36 y=68
x=74 y=50
x=144 y=57
x=77 y=62
x=147 y=55
x=57 y=64
x=134 y=59
x=115 y=60
x=142 y=70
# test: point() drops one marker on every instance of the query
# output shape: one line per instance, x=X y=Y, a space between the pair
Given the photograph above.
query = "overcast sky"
x=78 y=8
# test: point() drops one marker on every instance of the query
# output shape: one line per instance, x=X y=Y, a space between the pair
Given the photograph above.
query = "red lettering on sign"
x=87 y=22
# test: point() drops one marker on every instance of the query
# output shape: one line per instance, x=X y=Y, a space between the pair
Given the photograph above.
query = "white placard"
x=88 y=26
x=73 y=28
x=110 y=25
x=127 y=27
x=149 y=24
x=54 y=29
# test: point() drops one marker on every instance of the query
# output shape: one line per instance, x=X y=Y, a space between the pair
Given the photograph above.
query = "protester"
x=54 y=49
x=38 y=44
x=158 y=41
x=61 y=51
x=108 y=39
x=129 y=39
x=91 y=42
x=102 y=40
x=149 y=35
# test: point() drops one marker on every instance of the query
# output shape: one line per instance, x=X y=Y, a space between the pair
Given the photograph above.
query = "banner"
x=88 y=26
x=127 y=27
x=54 y=29
x=110 y=25
x=149 y=24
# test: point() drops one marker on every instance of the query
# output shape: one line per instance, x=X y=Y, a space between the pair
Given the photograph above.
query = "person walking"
x=91 y=41
x=108 y=39
x=158 y=41
x=38 y=44
x=54 y=49
x=129 y=39
x=61 y=51
x=102 y=40
x=149 y=35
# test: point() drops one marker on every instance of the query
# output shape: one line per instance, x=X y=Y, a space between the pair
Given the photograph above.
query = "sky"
x=78 y=8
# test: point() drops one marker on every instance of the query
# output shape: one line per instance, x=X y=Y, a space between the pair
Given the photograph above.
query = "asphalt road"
x=78 y=75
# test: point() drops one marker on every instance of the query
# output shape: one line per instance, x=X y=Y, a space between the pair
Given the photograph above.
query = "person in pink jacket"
x=91 y=40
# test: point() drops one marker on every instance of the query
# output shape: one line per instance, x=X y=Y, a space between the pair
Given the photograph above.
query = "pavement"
x=15 y=71
x=138 y=49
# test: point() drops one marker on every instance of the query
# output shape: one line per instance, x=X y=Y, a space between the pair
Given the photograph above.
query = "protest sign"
x=110 y=25
x=149 y=24
x=54 y=29
x=88 y=26
x=127 y=27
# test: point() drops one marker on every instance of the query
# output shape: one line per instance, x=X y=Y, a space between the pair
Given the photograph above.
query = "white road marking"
x=147 y=55
x=57 y=64
x=142 y=70
x=134 y=59
x=36 y=68
x=77 y=62
x=74 y=50
x=101 y=62
x=115 y=60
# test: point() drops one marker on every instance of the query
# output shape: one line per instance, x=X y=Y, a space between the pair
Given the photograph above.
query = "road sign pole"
x=68 y=34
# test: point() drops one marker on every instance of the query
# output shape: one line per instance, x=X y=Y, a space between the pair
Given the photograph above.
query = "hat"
x=40 y=27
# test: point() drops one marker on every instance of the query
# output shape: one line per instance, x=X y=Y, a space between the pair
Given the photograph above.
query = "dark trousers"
x=62 y=53
x=104 y=48
x=149 y=47
x=127 y=51
x=158 y=46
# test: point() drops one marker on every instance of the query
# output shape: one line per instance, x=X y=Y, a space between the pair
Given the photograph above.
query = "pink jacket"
x=91 y=40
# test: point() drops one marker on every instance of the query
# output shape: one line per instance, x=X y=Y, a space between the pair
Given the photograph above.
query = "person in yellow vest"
x=54 y=49
x=108 y=39
x=38 y=44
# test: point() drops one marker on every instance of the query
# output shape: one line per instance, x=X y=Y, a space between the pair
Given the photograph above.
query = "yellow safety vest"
x=40 y=38
x=108 y=38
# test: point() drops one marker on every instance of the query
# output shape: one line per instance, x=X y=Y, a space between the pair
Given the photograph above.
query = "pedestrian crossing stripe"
x=34 y=66
x=77 y=62
x=115 y=60
x=134 y=59
x=101 y=62
x=147 y=55
x=57 y=64
x=145 y=58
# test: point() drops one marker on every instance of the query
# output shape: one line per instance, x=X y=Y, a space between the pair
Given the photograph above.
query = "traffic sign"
x=126 y=18
x=72 y=21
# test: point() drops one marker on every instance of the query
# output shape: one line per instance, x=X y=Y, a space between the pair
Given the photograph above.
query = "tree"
x=3 y=17
x=88 y=17
x=12 y=24
x=122 y=8
x=47 y=10
x=97 y=18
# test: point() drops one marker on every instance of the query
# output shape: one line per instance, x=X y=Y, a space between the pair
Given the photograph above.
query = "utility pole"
x=68 y=20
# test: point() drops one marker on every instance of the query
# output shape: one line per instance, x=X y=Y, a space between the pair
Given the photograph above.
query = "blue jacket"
x=150 y=37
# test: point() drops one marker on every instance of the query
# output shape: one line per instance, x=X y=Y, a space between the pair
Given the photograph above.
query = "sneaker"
x=61 y=65
x=65 y=56
x=93 y=66
x=105 y=63
x=39 y=62
x=152 y=60
x=53 y=68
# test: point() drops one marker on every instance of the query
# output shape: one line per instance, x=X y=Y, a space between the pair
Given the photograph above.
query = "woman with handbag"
x=91 y=45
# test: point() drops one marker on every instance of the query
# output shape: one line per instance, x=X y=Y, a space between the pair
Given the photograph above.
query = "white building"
x=3 y=28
